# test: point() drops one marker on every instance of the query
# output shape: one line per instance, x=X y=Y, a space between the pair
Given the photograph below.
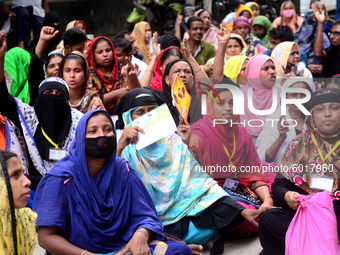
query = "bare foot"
x=196 y=249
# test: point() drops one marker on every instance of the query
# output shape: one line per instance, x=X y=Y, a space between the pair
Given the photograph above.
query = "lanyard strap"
x=232 y=154
x=50 y=140
x=320 y=152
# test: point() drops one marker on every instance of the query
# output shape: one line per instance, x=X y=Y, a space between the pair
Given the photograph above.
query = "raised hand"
x=48 y=33
x=187 y=53
x=222 y=35
x=320 y=16
x=179 y=18
x=155 y=45
x=129 y=71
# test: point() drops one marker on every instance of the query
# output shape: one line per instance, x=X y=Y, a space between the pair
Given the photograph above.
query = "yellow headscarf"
x=139 y=32
x=241 y=9
x=25 y=225
x=280 y=57
x=233 y=67
x=244 y=8
x=252 y=5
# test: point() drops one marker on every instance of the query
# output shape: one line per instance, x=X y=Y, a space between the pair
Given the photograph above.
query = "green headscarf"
x=17 y=61
x=264 y=22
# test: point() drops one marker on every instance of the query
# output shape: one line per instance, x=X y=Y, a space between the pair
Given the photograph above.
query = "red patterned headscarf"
x=92 y=63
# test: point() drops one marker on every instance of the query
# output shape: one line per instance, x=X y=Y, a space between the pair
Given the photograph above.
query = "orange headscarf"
x=139 y=32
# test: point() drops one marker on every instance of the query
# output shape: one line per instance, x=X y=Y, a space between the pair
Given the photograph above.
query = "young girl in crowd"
x=74 y=71
x=105 y=72
x=17 y=235
x=241 y=26
x=261 y=28
x=142 y=33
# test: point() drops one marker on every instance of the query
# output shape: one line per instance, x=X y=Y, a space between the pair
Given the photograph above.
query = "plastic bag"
x=313 y=230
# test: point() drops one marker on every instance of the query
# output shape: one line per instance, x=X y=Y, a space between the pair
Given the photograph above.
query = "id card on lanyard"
x=322 y=182
x=55 y=153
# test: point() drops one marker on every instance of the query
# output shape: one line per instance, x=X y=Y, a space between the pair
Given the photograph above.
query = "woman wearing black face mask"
x=48 y=128
x=94 y=202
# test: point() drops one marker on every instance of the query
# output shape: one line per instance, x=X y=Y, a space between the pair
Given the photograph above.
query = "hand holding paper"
x=156 y=124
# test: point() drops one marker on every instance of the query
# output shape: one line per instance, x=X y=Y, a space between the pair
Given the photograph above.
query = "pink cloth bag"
x=313 y=229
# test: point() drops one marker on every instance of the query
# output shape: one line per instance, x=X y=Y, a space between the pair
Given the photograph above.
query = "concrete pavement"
x=234 y=246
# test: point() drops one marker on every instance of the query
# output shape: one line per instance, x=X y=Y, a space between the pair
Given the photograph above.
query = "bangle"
x=200 y=69
x=267 y=197
x=38 y=50
x=148 y=70
x=258 y=184
x=222 y=42
x=83 y=252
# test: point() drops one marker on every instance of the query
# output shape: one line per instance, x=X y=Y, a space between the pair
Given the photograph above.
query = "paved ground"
x=235 y=246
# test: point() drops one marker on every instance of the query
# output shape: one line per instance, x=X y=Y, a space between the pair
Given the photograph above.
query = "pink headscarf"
x=262 y=96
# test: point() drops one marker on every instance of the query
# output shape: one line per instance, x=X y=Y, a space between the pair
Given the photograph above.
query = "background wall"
x=102 y=17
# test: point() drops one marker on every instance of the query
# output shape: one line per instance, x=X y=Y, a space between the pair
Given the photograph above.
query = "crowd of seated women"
x=69 y=142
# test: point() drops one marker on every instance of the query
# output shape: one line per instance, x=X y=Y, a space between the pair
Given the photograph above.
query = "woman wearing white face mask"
x=288 y=17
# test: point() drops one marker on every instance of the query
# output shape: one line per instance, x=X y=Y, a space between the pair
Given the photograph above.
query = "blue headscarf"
x=98 y=215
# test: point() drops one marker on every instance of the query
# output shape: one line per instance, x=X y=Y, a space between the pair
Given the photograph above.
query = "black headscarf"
x=327 y=95
x=168 y=40
x=54 y=115
x=50 y=19
x=133 y=99
x=166 y=94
